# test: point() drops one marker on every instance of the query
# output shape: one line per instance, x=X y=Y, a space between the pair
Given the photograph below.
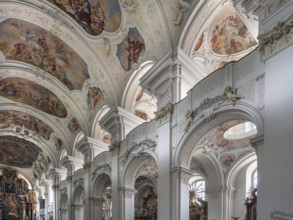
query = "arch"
x=134 y=98
x=100 y=184
x=227 y=112
x=249 y=161
x=146 y=164
x=64 y=207
x=76 y=153
x=208 y=167
x=78 y=200
x=96 y=131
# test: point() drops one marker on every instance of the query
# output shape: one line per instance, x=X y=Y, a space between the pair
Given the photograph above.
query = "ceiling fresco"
x=226 y=150
x=28 y=92
x=94 y=96
x=228 y=34
x=94 y=16
x=26 y=120
x=130 y=49
x=26 y=42
x=17 y=152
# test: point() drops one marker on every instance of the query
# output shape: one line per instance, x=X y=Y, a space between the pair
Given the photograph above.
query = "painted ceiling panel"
x=28 y=92
x=228 y=34
x=92 y=15
x=17 y=152
x=26 y=120
x=26 y=42
x=130 y=49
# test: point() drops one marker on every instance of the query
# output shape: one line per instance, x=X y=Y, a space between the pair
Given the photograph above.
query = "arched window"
x=254 y=179
x=197 y=184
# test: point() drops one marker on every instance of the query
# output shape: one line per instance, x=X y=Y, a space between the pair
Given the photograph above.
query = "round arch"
x=145 y=164
x=227 y=112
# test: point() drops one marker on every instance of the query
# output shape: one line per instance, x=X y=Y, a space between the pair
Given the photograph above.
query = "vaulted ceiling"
x=63 y=61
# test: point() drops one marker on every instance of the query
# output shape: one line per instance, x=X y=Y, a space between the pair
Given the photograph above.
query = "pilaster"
x=72 y=164
x=180 y=193
x=127 y=199
x=56 y=174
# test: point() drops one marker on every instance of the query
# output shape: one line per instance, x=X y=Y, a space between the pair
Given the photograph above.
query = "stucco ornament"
x=230 y=95
x=130 y=5
x=276 y=39
x=278 y=215
x=179 y=10
x=164 y=112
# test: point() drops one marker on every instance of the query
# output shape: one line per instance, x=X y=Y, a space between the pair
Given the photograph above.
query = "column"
x=180 y=193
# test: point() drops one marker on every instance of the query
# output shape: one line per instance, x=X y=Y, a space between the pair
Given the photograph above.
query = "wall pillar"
x=180 y=193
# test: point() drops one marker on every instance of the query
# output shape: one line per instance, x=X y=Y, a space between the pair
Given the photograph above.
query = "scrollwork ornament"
x=164 y=112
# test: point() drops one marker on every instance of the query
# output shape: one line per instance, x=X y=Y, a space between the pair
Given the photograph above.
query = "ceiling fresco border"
x=39 y=17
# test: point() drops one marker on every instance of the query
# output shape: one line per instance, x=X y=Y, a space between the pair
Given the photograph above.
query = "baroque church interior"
x=146 y=109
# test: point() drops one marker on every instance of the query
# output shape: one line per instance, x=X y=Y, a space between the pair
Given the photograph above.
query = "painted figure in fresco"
x=98 y=18
x=83 y=12
x=134 y=48
x=93 y=97
x=230 y=36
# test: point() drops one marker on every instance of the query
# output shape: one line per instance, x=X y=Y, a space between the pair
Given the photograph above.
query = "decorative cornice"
x=164 y=112
x=278 y=215
x=276 y=39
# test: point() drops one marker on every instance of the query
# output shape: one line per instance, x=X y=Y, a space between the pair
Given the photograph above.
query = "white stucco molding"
x=277 y=39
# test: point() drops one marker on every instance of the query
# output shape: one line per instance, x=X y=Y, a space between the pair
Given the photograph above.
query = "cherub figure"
x=230 y=95
x=179 y=13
